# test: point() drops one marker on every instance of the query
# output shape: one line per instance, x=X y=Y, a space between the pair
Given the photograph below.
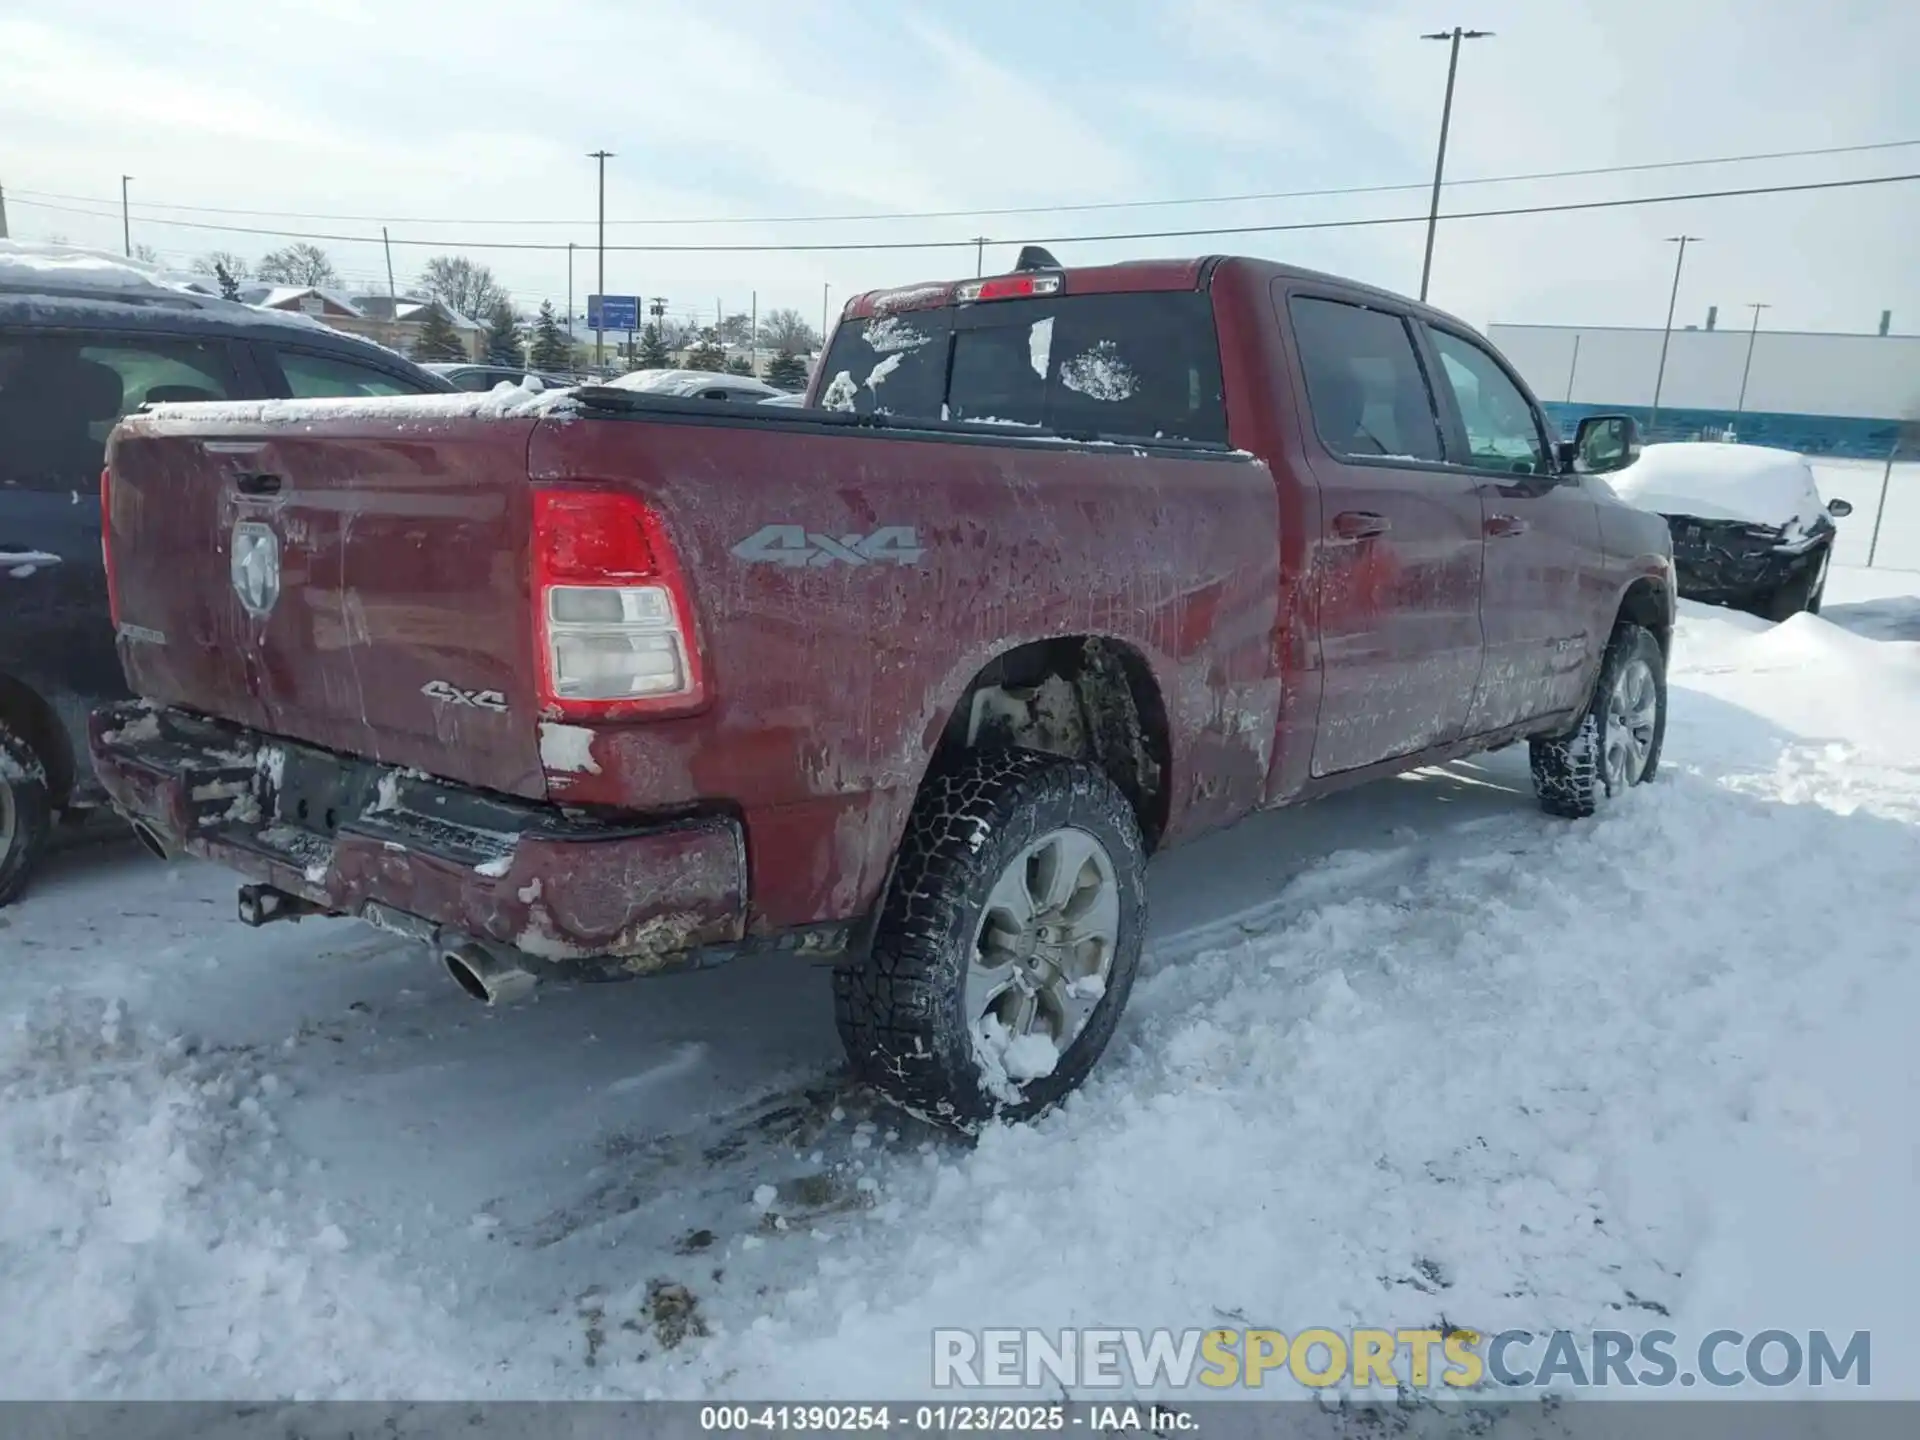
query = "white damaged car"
x=1749 y=527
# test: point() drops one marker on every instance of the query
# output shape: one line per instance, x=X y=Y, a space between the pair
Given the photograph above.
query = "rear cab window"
x=1366 y=386
x=1135 y=366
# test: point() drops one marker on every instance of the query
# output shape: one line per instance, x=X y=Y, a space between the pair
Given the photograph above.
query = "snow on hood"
x=1710 y=480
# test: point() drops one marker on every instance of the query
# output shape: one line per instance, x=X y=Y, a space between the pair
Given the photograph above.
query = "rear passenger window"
x=1365 y=384
x=890 y=365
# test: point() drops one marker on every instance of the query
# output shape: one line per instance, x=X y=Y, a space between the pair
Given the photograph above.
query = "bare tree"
x=298 y=264
x=737 y=329
x=788 y=330
x=214 y=261
x=146 y=254
x=466 y=285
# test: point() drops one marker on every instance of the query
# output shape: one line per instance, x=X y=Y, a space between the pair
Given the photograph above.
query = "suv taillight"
x=106 y=547
x=613 y=629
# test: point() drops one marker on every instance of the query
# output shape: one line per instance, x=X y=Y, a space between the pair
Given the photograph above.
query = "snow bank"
x=1714 y=481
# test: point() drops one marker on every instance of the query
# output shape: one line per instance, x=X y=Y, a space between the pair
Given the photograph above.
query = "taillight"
x=106 y=547
x=1007 y=287
x=612 y=623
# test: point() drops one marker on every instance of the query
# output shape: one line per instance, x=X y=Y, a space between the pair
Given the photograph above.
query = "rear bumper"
x=423 y=856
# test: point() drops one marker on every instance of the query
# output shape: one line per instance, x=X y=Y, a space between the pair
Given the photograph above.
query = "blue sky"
x=404 y=111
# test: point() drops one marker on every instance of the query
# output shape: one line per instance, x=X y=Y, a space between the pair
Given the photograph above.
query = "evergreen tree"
x=551 y=351
x=788 y=371
x=653 y=350
x=503 y=334
x=438 y=340
x=706 y=353
x=229 y=286
x=739 y=365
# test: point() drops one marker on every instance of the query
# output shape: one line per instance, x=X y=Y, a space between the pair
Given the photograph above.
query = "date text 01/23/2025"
x=983 y=1419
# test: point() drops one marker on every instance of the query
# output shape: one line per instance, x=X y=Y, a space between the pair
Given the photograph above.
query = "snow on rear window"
x=891 y=335
x=841 y=392
x=878 y=376
x=1040 y=345
x=1100 y=373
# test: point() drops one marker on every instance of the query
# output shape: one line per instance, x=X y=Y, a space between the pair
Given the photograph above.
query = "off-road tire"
x=26 y=813
x=900 y=1008
x=1568 y=776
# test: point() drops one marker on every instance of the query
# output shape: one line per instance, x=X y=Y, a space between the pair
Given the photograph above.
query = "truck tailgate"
x=351 y=582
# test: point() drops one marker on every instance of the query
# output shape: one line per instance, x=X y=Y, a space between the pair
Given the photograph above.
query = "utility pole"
x=1740 y=405
x=825 y=290
x=126 y=225
x=393 y=296
x=1666 y=335
x=753 y=333
x=600 y=317
x=1573 y=365
x=570 y=291
x=3 y=212
x=1454 y=37
x=979 y=256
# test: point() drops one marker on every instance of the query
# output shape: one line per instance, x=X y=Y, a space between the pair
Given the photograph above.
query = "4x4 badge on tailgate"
x=796 y=546
x=254 y=565
x=448 y=694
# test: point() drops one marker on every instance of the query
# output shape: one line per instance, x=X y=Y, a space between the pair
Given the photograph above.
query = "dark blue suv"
x=83 y=341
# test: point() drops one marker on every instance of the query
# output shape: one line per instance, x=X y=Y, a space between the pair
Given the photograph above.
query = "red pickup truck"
x=1055 y=569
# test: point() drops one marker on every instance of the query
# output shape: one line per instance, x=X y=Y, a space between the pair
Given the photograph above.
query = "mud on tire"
x=1569 y=772
x=902 y=1008
x=26 y=813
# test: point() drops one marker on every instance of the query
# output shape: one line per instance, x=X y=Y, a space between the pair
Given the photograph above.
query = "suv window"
x=1142 y=366
x=60 y=397
x=1365 y=384
x=317 y=377
x=1502 y=431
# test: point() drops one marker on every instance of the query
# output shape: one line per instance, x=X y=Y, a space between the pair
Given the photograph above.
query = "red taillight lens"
x=106 y=546
x=612 y=620
x=1007 y=287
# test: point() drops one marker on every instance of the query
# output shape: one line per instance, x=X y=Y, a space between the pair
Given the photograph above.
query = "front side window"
x=318 y=377
x=1502 y=432
x=1365 y=384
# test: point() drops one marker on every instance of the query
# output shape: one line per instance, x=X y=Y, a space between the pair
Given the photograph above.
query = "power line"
x=1197 y=233
x=1005 y=210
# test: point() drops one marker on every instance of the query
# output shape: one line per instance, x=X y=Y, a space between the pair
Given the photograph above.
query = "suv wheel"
x=26 y=813
x=1617 y=743
x=1007 y=942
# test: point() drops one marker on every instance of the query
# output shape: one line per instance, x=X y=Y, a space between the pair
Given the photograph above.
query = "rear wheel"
x=1803 y=592
x=1007 y=941
x=1618 y=741
x=26 y=813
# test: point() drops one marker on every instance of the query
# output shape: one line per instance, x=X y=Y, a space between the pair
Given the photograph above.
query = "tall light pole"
x=825 y=290
x=126 y=225
x=570 y=291
x=1666 y=335
x=1740 y=405
x=600 y=315
x=1454 y=37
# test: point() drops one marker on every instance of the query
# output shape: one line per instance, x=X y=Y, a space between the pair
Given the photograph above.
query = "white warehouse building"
x=1823 y=394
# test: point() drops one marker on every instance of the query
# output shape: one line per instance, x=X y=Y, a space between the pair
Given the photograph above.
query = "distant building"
x=1819 y=393
x=392 y=322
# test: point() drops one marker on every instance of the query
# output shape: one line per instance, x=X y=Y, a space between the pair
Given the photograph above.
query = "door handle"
x=258 y=484
x=1359 y=524
x=1501 y=526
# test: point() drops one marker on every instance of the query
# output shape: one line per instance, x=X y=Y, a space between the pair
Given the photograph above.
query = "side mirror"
x=1605 y=443
x=1839 y=509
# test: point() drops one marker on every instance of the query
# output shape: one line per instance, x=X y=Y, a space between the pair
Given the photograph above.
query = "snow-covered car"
x=696 y=385
x=794 y=398
x=477 y=377
x=1749 y=527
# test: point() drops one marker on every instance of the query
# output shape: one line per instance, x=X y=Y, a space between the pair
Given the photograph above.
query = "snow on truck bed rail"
x=504 y=402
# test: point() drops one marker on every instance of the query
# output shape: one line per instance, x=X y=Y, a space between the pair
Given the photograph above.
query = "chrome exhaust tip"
x=151 y=842
x=486 y=976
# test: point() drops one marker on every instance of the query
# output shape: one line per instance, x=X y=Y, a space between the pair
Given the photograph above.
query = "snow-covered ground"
x=1415 y=1051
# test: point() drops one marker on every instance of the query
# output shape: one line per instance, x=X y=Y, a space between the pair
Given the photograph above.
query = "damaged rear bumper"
x=1727 y=561
x=425 y=857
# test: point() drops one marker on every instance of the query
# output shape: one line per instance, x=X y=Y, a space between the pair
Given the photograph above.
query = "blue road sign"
x=613 y=312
